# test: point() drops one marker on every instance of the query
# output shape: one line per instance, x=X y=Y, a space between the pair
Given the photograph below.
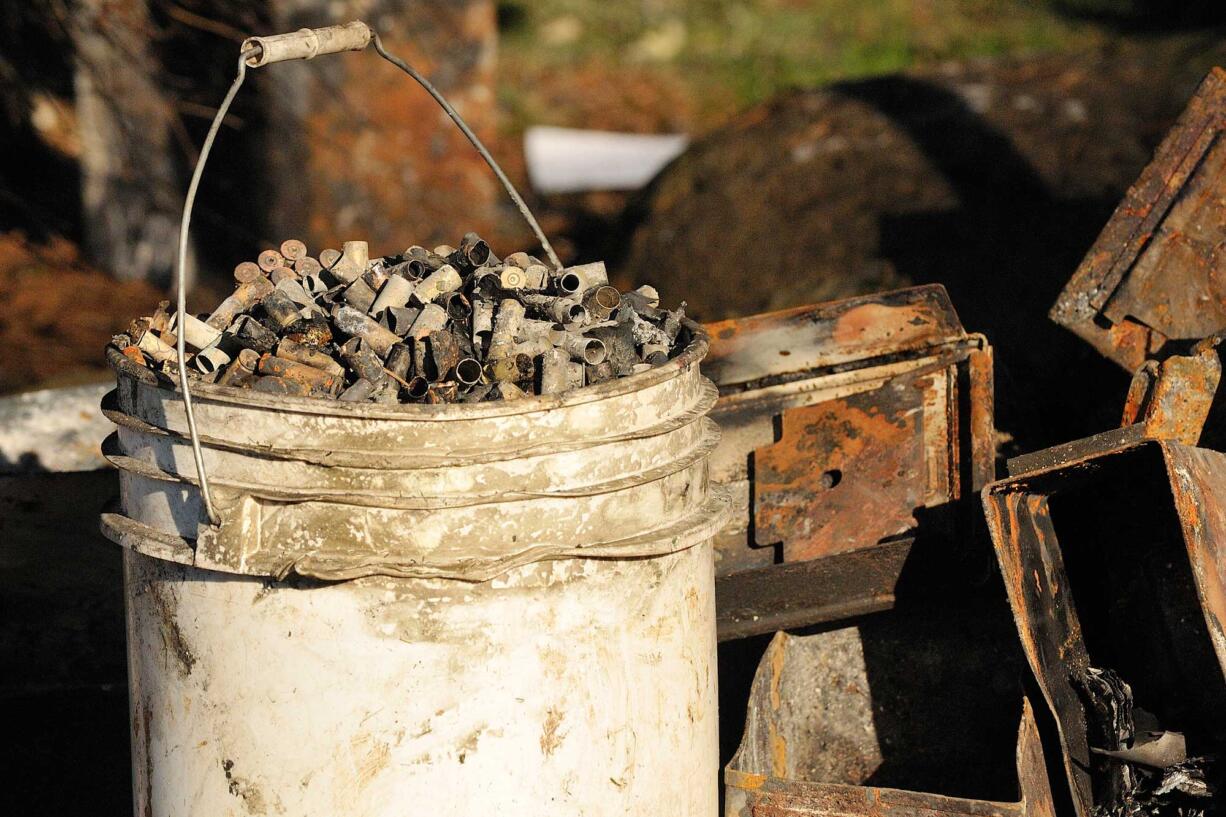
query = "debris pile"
x=452 y=324
x=1148 y=771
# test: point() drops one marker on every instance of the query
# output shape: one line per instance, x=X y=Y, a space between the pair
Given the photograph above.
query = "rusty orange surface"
x=1157 y=272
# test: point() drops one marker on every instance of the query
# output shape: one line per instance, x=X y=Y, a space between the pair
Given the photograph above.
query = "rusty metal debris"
x=814 y=739
x=1156 y=276
x=843 y=424
x=1111 y=551
x=436 y=326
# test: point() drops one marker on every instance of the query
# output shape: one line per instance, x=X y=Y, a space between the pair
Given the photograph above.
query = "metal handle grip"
x=306 y=43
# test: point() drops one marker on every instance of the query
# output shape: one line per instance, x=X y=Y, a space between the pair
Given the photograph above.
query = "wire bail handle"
x=304 y=44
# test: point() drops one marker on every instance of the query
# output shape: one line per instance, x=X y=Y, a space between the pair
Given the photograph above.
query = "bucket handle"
x=304 y=44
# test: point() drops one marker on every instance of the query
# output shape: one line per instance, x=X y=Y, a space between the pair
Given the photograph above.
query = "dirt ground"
x=57 y=312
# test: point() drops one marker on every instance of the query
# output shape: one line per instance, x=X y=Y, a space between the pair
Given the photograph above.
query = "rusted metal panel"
x=1112 y=554
x=1172 y=399
x=839 y=422
x=809 y=753
x=1157 y=272
x=844 y=472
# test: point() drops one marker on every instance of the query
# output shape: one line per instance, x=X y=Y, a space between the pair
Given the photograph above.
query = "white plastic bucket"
x=495 y=608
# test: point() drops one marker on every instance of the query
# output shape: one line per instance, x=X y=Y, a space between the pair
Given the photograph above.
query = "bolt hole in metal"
x=831 y=478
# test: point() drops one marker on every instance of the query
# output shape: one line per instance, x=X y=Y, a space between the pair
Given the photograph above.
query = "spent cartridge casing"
x=241 y=369
x=280 y=386
x=245 y=297
x=293 y=250
x=361 y=391
x=395 y=292
x=309 y=356
x=360 y=325
x=431 y=319
x=269 y=260
x=196 y=333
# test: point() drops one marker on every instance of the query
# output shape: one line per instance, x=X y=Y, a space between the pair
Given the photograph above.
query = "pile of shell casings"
x=452 y=324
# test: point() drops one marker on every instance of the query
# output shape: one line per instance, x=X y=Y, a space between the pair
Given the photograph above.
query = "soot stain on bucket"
x=166 y=606
x=252 y=797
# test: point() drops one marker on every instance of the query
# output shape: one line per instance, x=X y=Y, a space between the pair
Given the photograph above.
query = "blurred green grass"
x=707 y=59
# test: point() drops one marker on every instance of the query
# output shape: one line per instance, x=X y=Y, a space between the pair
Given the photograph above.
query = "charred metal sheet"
x=839 y=422
x=1157 y=272
x=814 y=737
x=1113 y=553
x=1172 y=399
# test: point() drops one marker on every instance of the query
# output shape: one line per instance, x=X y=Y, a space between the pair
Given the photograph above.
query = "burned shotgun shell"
x=328 y=258
x=399 y=361
x=467 y=371
x=443 y=280
x=241 y=369
x=507 y=325
x=269 y=260
x=456 y=306
x=586 y=349
x=619 y=346
x=247 y=271
x=531 y=329
x=517 y=259
x=296 y=291
x=483 y=319
x=432 y=318
x=513 y=367
x=536 y=275
x=252 y=334
x=554 y=377
x=157 y=349
x=281 y=386
x=352 y=262
x=601 y=302
x=362 y=358
x=444 y=354
x=314 y=285
x=567 y=311
x=418 y=387
x=244 y=297
x=210 y=360
x=307 y=266
x=655 y=353
x=359 y=295
x=317 y=379
x=395 y=292
x=376 y=276
x=575 y=373
x=281 y=309
x=360 y=391
x=282 y=274
x=196 y=333
x=358 y=324
x=600 y=372
x=301 y=353
x=400 y=319
x=509 y=391
x=513 y=278
x=474 y=250
x=293 y=250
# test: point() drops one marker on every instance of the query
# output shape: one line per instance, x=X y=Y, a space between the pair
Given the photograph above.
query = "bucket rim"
x=690 y=356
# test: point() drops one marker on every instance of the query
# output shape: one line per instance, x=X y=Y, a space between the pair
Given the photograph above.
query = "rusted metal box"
x=843 y=424
x=831 y=729
x=1113 y=552
x=1157 y=273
